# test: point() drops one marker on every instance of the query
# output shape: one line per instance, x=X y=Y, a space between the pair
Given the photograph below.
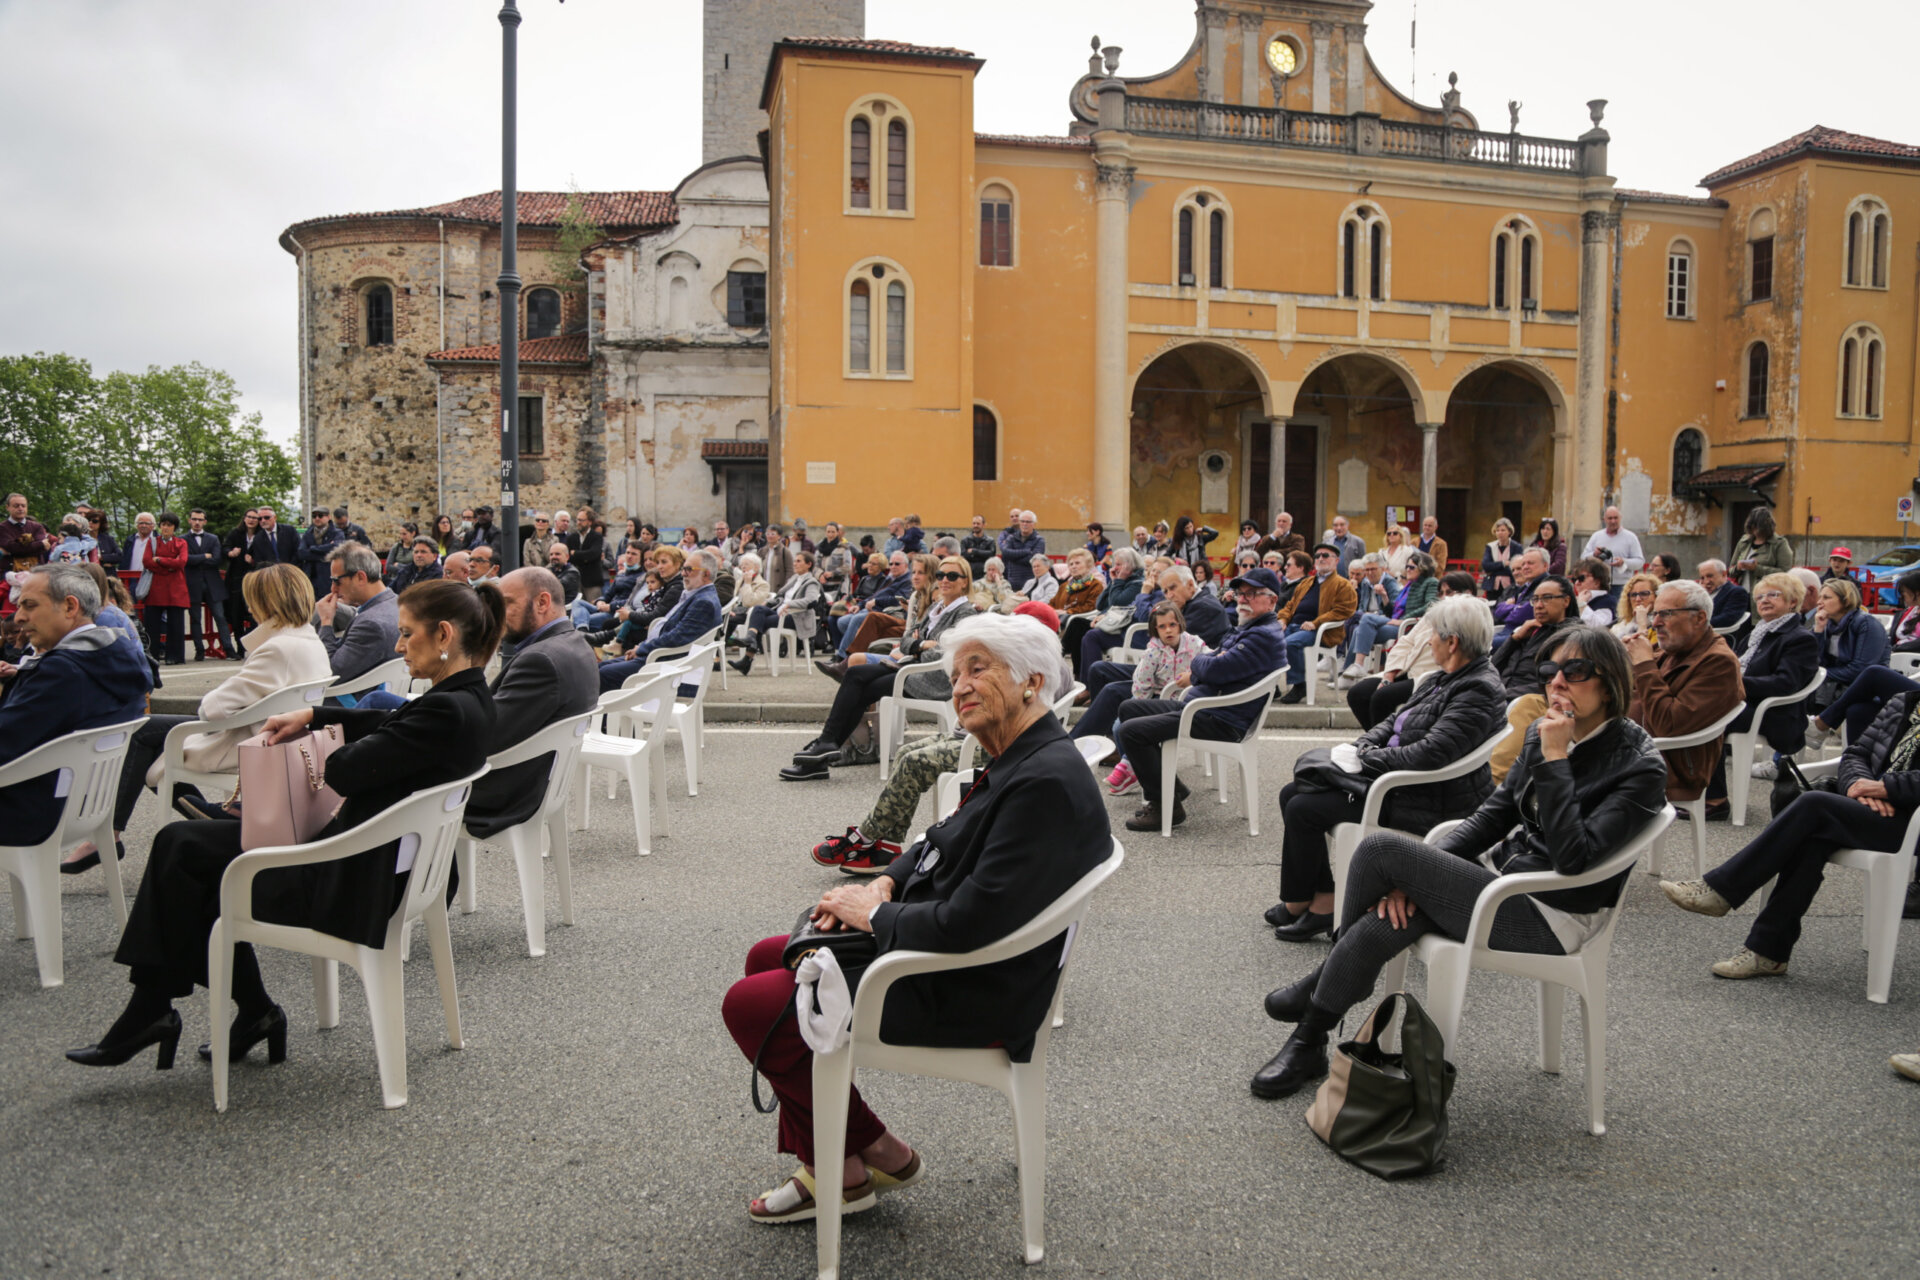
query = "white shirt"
x=1623 y=548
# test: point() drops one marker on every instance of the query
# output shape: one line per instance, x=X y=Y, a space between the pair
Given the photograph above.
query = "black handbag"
x=1316 y=771
x=853 y=949
x=1789 y=784
x=1387 y=1112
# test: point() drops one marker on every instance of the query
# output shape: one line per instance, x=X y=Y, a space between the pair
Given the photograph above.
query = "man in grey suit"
x=552 y=676
x=359 y=619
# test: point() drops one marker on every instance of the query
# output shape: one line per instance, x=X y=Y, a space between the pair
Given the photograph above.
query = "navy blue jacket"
x=313 y=556
x=1863 y=643
x=1245 y=657
x=895 y=591
x=1207 y=618
x=1729 y=602
x=89 y=681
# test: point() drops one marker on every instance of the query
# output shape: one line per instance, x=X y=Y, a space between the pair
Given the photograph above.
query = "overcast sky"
x=151 y=153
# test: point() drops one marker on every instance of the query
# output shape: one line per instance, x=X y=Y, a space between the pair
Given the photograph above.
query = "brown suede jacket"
x=1674 y=696
x=1338 y=602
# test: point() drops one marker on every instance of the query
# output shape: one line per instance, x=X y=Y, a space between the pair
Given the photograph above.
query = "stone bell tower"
x=739 y=38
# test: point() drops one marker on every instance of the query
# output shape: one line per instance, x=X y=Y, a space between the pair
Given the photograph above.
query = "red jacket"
x=169 y=570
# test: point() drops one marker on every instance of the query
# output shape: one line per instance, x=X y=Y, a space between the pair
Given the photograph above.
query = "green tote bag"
x=1387 y=1112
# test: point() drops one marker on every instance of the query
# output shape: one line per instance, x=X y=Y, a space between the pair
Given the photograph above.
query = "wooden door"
x=1259 y=472
x=1453 y=521
x=1303 y=480
x=746 y=496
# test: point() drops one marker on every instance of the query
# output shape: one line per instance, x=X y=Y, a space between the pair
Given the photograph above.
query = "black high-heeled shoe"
x=164 y=1032
x=270 y=1026
x=92 y=860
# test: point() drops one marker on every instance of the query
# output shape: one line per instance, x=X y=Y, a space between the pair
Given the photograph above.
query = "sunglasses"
x=950 y=576
x=1573 y=670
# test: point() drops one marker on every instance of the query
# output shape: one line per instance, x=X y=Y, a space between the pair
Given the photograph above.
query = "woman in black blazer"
x=448 y=631
x=1029 y=828
x=1780 y=657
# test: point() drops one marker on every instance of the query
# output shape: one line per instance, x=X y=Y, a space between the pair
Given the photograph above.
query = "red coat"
x=169 y=570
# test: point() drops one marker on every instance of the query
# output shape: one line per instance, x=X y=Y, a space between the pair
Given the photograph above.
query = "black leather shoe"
x=835 y=671
x=91 y=860
x=1301 y=1061
x=1295 y=695
x=1278 y=915
x=1911 y=909
x=270 y=1026
x=743 y=664
x=164 y=1032
x=818 y=749
x=1289 y=1004
x=806 y=771
x=1306 y=927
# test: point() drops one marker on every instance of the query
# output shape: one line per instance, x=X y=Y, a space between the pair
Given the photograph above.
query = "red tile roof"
x=1662 y=197
x=714 y=450
x=1742 y=476
x=1818 y=140
x=568 y=349
x=871 y=50
x=1061 y=143
x=610 y=210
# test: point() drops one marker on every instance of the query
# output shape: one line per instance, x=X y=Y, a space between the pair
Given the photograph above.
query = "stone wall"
x=561 y=475
x=739 y=39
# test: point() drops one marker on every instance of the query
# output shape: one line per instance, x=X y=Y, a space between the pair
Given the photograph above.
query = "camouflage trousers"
x=915 y=771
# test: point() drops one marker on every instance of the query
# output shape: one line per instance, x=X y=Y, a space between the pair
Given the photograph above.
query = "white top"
x=1623 y=549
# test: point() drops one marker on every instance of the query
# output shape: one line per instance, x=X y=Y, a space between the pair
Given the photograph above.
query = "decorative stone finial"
x=1112 y=54
x=1093 y=63
x=1597 y=109
x=1450 y=100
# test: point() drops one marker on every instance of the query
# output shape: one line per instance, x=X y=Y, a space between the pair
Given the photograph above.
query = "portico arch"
x=1500 y=451
x=1353 y=444
x=1197 y=421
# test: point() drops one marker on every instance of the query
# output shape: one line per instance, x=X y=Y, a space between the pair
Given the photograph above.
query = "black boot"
x=1290 y=1004
x=1306 y=926
x=1301 y=1060
x=744 y=663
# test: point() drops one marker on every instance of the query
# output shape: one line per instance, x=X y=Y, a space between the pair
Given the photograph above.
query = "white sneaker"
x=1817 y=732
x=1353 y=672
x=1695 y=895
x=1766 y=770
x=1749 y=964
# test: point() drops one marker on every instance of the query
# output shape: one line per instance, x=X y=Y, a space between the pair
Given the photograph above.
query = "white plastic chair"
x=429 y=820
x=689 y=718
x=1125 y=653
x=1316 y=651
x=1734 y=626
x=1023 y=1083
x=780 y=637
x=893 y=713
x=173 y=763
x=1346 y=837
x=547 y=829
x=1245 y=752
x=1697 y=807
x=1063 y=705
x=1585 y=971
x=1907 y=664
x=91 y=760
x=632 y=756
x=1741 y=747
x=1887 y=877
x=392 y=673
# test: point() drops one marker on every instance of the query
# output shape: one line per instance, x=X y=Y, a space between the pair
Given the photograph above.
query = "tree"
x=47 y=406
x=578 y=233
x=238 y=470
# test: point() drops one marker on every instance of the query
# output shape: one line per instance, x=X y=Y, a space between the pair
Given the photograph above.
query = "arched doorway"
x=1194 y=410
x=1496 y=455
x=1353 y=448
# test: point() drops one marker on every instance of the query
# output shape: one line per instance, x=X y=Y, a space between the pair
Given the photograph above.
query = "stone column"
x=1112 y=425
x=1213 y=87
x=1356 y=67
x=1322 y=71
x=1276 y=469
x=1250 y=55
x=1582 y=477
x=1429 y=470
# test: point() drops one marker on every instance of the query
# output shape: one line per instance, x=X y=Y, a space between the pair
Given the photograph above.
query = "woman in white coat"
x=283 y=650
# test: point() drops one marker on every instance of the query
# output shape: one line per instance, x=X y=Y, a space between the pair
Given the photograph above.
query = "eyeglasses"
x=1661 y=615
x=950 y=576
x=1639 y=595
x=1326 y=555
x=1769 y=595
x=1573 y=671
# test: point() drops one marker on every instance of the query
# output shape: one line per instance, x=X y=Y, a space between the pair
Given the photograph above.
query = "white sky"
x=151 y=153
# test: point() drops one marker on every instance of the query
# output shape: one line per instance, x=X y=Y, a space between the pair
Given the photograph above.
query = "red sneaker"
x=834 y=851
x=871 y=859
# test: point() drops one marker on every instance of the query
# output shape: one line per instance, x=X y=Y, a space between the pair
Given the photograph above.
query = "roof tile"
x=1818 y=139
x=567 y=349
x=877 y=46
x=609 y=210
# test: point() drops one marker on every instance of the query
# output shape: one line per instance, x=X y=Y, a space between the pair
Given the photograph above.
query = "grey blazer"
x=551 y=679
x=360 y=645
x=933 y=683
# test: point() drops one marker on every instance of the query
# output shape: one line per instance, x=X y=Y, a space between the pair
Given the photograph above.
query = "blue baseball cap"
x=1260 y=580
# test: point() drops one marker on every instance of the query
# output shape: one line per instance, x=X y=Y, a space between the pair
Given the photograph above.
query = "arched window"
x=1363 y=253
x=1202 y=243
x=986 y=444
x=679 y=305
x=543 y=313
x=1689 y=447
x=1758 y=359
x=1760 y=228
x=1186 y=247
x=873 y=124
x=879 y=286
x=1516 y=258
x=1680 y=280
x=996 y=226
x=1869 y=240
x=379 y=309
x=1862 y=372
x=1217 y=249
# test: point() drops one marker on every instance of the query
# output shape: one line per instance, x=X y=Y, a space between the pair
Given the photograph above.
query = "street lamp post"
x=509 y=285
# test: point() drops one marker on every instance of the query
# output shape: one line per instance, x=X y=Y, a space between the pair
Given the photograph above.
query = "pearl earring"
x=444 y=658
x=1027 y=696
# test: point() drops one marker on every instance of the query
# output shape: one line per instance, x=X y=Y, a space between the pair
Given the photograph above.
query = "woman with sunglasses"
x=1586 y=783
x=866 y=683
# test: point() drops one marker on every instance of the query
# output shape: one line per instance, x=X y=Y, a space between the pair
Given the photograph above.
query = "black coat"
x=1518 y=661
x=206 y=556
x=1782 y=662
x=1028 y=831
x=1572 y=813
x=1450 y=715
x=389 y=755
x=1866 y=760
x=545 y=681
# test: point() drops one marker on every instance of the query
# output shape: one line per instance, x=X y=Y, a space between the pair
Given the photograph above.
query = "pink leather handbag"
x=285 y=796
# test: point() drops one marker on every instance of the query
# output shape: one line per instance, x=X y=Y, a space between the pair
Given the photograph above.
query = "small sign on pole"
x=1903 y=509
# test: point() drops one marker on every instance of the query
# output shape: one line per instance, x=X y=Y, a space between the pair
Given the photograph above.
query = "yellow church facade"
x=1265 y=279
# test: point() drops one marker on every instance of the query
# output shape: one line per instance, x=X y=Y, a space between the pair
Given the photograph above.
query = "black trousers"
x=1144 y=723
x=149 y=740
x=1373 y=699
x=1795 y=847
x=1305 y=866
x=167 y=631
x=239 y=622
x=863 y=686
x=200 y=592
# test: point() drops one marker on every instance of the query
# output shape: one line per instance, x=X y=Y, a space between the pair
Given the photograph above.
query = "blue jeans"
x=580 y=612
x=381 y=700
x=1297 y=641
x=1862 y=700
x=1370 y=630
x=849 y=627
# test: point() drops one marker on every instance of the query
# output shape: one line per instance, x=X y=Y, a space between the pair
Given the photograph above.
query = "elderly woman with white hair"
x=1031 y=825
x=992 y=593
x=1451 y=714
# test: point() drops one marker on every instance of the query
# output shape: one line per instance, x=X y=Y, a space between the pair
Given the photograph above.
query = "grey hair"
x=1692 y=592
x=947 y=545
x=751 y=559
x=1028 y=646
x=1127 y=556
x=64 y=580
x=1028 y=515
x=354 y=558
x=148 y=517
x=1718 y=566
x=1373 y=558
x=1467 y=619
x=710 y=563
x=995 y=562
x=1179 y=573
x=1540 y=554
